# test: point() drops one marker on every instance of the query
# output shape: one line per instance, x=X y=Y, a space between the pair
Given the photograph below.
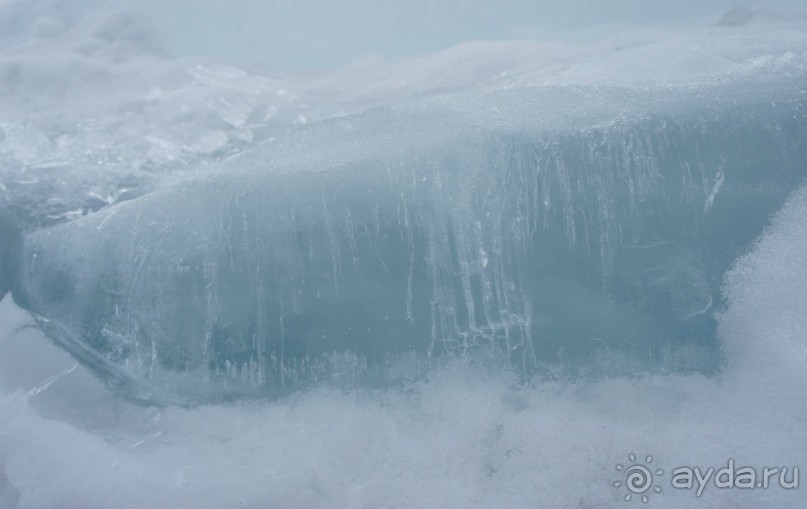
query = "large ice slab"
x=558 y=229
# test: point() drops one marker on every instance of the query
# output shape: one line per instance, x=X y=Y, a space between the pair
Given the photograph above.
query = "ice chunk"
x=96 y=112
x=561 y=230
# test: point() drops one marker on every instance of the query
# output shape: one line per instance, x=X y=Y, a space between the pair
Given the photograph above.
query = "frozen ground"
x=92 y=112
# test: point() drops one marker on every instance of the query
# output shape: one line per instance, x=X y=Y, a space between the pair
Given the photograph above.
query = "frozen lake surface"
x=479 y=273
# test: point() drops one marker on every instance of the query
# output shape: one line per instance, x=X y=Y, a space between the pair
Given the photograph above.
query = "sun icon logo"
x=638 y=478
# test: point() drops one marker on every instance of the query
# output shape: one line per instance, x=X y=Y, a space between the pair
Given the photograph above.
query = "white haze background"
x=100 y=102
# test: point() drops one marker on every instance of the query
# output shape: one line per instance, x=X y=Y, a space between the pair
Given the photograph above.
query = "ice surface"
x=465 y=438
x=562 y=230
x=94 y=111
x=101 y=130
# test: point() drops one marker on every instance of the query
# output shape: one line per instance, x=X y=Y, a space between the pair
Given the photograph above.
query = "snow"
x=98 y=120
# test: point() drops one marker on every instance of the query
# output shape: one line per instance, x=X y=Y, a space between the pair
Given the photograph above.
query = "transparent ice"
x=475 y=268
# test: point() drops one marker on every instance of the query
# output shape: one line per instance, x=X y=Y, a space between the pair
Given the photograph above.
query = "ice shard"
x=555 y=229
